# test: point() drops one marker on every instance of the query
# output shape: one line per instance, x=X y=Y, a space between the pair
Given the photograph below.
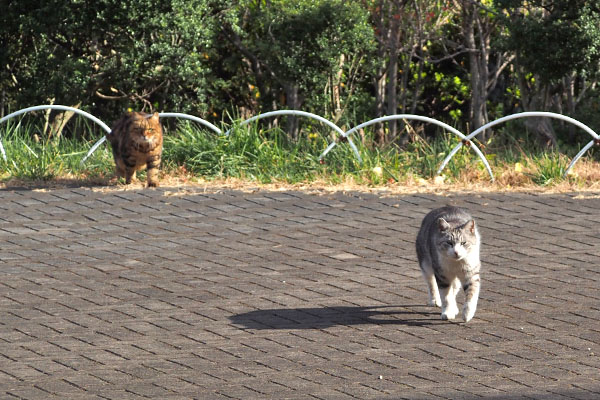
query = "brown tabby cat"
x=136 y=140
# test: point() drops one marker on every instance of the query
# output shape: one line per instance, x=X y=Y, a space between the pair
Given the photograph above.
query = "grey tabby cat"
x=448 y=252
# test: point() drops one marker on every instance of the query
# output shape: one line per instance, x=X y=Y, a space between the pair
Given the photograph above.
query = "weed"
x=267 y=154
x=549 y=168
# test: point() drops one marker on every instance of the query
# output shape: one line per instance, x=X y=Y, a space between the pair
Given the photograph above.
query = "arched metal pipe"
x=579 y=155
x=160 y=115
x=424 y=119
x=309 y=115
x=50 y=107
x=523 y=115
x=192 y=118
x=342 y=135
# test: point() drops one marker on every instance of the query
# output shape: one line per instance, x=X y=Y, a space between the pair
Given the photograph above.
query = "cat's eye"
x=463 y=244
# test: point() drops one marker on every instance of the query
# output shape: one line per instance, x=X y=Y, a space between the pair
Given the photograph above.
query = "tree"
x=441 y=58
x=554 y=41
x=402 y=29
x=479 y=25
x=109 y=54
x=294 y=49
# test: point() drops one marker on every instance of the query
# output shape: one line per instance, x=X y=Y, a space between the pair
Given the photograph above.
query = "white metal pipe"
x=303 y=114
x=50 y=107
x=535 y=114
x=327 y=150
x=448 y=157
x=578 y=156
x=343 y=135
x=161 y=115
x=93 y=148
x=424 y=119
x=192 y=118
x=532 y=114
x=56 y=107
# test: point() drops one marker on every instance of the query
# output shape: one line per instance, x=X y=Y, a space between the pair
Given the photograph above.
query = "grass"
x=267 y=156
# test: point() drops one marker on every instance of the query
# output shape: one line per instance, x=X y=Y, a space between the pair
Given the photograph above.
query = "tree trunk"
x=534 y=97
x=59 y=122
x=336 y=101
x=392 y=79
x=387 y=22
x=380 y=79
x=543 y=130
x=381 y=74
x=477 y=67
x=294 y=103
x=2 y=102
x=569 y=87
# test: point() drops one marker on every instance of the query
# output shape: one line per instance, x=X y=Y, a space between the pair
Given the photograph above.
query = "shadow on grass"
x=325 y=317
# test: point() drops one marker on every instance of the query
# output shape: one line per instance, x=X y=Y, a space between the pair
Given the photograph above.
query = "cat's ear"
x=443 y=225
x=470 y=226
x=154 y=117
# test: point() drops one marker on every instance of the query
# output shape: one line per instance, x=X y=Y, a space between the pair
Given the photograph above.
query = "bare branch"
x=108 y=97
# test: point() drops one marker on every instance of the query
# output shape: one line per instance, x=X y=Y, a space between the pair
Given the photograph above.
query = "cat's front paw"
x=152 y=184
x=468 y=312
x=449 y=312
x=432 y=302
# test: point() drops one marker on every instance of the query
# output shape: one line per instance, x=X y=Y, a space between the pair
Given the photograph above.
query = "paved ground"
x=173 y=294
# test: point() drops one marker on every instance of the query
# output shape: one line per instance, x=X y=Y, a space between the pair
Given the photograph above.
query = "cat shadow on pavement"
x=325 y=317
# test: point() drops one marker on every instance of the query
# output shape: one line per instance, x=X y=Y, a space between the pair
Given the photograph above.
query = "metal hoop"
x=50 y=107
x=530 y=114
x=424 y=119
x=309 y=115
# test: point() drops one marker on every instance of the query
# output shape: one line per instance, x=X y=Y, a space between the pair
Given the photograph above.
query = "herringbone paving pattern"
x=181 y=293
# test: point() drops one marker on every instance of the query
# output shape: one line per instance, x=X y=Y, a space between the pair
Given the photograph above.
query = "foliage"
x=268 y=155
x=349 y=61
x=297 y=53
x=107 y=54
x=550 y=168
x=552 y=39
x=255 y=154
x=31 y=157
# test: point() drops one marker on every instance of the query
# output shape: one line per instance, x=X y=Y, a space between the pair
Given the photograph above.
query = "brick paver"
x=181 y=293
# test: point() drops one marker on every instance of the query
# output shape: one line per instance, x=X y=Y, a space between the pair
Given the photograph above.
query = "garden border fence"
x=342 y=136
